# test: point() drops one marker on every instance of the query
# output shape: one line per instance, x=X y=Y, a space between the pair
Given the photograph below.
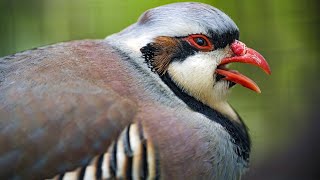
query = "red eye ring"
x=200 y=42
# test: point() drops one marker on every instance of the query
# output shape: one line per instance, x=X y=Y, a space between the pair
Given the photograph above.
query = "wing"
x=59 y=106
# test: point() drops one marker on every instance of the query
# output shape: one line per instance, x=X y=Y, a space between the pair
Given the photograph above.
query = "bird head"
x=192 y=44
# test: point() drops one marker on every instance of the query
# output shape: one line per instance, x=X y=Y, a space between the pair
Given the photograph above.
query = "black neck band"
x=237 y=131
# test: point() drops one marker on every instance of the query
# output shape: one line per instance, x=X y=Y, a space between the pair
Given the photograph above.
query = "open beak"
x=242 y=54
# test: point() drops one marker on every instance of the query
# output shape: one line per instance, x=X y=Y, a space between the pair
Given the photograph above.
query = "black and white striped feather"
x=131 y=156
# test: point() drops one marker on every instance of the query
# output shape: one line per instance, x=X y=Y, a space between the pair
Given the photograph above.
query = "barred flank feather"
x=131 y=156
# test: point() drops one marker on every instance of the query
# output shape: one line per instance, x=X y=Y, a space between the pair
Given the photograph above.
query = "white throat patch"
x=196 y=76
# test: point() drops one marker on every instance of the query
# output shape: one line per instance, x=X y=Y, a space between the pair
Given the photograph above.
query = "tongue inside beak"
x=242 y=54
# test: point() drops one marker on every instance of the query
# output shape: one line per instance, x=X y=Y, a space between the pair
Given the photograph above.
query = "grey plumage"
x=65 y=107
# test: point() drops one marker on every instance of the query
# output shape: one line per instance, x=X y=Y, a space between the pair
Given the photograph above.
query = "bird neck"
x=237 y=131
x=130 y=40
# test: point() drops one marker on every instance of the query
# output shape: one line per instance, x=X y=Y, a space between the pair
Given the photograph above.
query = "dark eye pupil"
x=200 y=41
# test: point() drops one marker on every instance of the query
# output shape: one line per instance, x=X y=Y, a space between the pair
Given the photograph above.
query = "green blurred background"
x=285 y=32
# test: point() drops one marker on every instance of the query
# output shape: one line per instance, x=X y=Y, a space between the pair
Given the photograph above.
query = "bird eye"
x=201 y=42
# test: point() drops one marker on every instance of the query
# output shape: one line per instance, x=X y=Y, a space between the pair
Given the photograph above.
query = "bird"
x=148 y=102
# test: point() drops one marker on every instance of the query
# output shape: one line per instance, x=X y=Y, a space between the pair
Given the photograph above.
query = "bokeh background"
x=283 y=120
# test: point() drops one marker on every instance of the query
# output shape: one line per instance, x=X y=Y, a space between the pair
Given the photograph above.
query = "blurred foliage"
x=285 y=32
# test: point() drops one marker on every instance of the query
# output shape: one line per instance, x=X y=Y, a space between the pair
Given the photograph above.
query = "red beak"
x=242 y=54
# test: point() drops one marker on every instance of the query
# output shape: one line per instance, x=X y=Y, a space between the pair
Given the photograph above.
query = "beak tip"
x=267 y=68
x=268 y=72
x=256 y=89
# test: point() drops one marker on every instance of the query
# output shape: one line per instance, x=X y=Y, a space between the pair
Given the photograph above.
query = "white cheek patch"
x=196 y=75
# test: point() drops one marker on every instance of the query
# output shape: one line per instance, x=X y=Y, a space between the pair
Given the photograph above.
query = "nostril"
x=239 y=48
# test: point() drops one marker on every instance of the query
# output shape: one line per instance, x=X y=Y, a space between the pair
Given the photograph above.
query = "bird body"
x=144 y=102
